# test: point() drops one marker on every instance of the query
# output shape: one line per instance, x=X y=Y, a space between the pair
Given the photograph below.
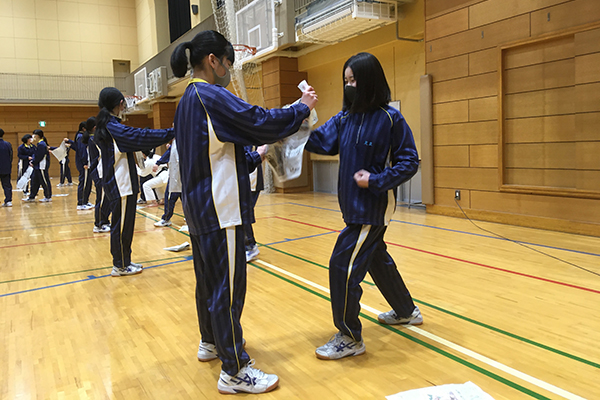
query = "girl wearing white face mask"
x=377 y=154
x=212 y=127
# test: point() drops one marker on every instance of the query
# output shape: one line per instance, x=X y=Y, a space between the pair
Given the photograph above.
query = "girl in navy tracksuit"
x=41 y=163
x=377 y=153
x=84 y=187
x=117 y=143
x=212 y=127
x=102 y=208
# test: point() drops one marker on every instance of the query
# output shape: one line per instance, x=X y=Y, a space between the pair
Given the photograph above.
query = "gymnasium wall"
x=72 y=37
x=152 y=28
x=516 y=110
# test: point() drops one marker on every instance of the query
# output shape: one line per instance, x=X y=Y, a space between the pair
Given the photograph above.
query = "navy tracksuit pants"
x=40 y=177
x=84 y=187
x=220 y=266
x=121 y=230
x=250 y=240
x=102 y=207
x=7 y=186
x=170 y=200
x=65 y=172
x=360 y=249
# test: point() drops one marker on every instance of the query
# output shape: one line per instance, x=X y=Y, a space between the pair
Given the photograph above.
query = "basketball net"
x=246 y=75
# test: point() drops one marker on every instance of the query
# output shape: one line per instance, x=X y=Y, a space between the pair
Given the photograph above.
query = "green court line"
x=482 y=324
x=170 y=226
x=80 y=271
x=429 y=346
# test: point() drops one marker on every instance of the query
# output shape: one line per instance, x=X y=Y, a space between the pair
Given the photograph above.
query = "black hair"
x=202 y=45
x=108 y=99
x=1 y=132
x=148 y=153
x=39 y=132
x=90 y=124
x=81 y=126
x=372 y=89
x=26 y=138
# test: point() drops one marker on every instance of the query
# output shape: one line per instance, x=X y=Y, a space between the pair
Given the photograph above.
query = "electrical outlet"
x=457 y=194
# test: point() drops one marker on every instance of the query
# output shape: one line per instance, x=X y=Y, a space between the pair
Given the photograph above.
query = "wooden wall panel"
x=484 y=109
x=484 y=61
x=478 y=39
x=490 y=11
x=587 y=155
x=538 y=53
x=588 y=180
x=541 y=155
x=541 y=178
x=436 y=7
x=466 y=88
x=588 y=97
x=466 y=178
x=451 y=156
x=540 y=76
x=563 y=16
x=587 y=42
x=483 y=156
x=467 y=133
x=450 y=68
x=445 y=197
x=540 y=103
x=449 y=113
x=447 y=24
x=555 y=128
x=587 y=68
x=586 y=126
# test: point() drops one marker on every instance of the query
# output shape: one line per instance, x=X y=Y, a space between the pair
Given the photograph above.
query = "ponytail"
x=203 y=44
x=108 y=99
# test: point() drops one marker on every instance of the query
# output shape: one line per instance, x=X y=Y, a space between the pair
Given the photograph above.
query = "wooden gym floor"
x=517 y=323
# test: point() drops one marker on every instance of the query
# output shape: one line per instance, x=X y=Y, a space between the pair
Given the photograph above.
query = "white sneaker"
x=184 y=228
x=70 y=183
x=140 y=201
x=81 y=207
x=7 y=204
x=140 y=266
x=248 y=380
x=45 y=200
x=162 y=222
x=391 y=318
x=252 y=254
x=89 y=206
x=130 y=270
x=207 y=352
x=102 y=229
x=60 y=185
x=340 y=346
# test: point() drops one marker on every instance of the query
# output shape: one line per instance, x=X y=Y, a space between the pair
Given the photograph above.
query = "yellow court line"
x=492 y=363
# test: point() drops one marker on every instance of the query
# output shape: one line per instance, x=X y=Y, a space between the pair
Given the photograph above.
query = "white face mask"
x=222 y=80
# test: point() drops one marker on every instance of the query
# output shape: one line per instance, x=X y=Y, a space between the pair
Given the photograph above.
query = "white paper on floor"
x=180 y=247
x=466 y=391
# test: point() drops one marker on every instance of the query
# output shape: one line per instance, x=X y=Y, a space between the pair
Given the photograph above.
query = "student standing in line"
x=212 y=126
x=40 y=162
x=65 y=171
x=255 y=159
x=84 y=187
x=25 y=153
x=6 y=158
x=102 y=207
x=173 y=189
x=377 y=154
x=120 y=182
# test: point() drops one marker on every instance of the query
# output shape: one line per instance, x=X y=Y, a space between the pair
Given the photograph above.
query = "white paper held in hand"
x=303 y=86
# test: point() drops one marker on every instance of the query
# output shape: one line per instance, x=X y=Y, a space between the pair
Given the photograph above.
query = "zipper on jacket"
x=360 y=128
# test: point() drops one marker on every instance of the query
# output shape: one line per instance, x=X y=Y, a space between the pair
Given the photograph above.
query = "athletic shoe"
x=340 y=346
x=101 y=229
x=28 y=200
x=391 y=318
x=252 y=254
x=60 y=185
x=208 y=351
x=162 y=222
x=70 y=183
x=7 y=204
x=247 y=380
x=184 y=228
x=130 y=270
x=81 y=208
x=140 y=201
x=45 y=200
x=89 y=205
x=140 y=266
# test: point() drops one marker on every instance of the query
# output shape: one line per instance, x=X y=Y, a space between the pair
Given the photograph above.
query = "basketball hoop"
x=132 y=101
x=244 y=51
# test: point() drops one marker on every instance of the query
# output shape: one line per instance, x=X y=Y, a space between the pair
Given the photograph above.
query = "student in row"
x=6 y=158
x=40 y=162
x=102 y=207
x=25 y=154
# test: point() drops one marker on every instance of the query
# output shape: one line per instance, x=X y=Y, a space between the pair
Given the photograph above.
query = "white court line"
x=4 y=238
x=492 y=363
x=152 y=216
x=64 y=231
x=36 y=234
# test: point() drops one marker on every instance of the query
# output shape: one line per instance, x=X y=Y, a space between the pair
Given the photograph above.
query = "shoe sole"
x=118 y=275
x=270 y=388
x=381 y=321
x=207 y=359
x=320 y=357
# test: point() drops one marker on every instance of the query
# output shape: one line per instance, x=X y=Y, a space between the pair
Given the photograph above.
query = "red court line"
x=465 y=261
x=71 y=240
